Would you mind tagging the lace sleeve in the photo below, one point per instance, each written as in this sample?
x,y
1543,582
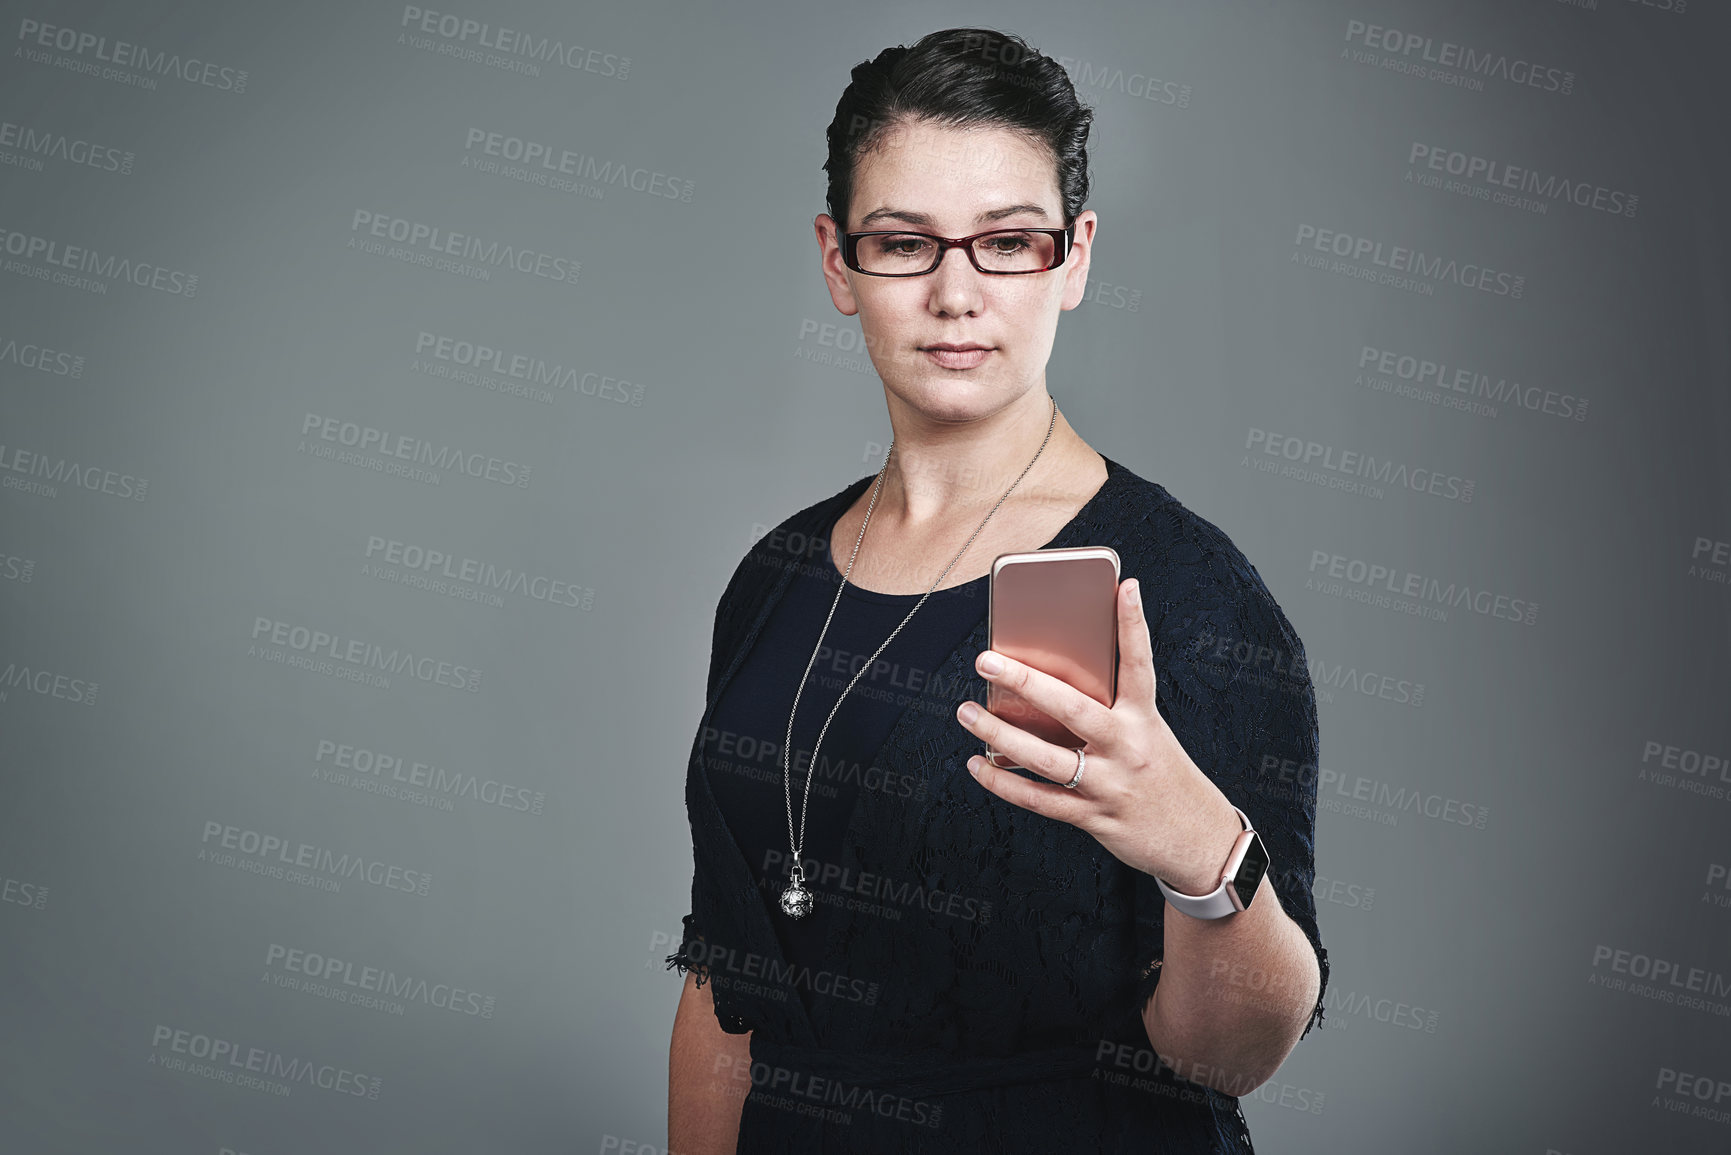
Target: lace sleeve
x,y
694,947
691,953
1235,686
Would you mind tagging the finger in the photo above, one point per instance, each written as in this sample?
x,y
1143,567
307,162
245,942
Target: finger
x,y
1136,677
1040,797
1084,717
1042,757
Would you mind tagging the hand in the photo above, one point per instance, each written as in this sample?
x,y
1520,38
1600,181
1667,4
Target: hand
x,y
1141,796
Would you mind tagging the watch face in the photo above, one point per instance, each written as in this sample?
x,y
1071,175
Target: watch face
x,y
1251,870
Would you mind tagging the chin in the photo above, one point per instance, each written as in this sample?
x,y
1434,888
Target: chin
x,y
953,397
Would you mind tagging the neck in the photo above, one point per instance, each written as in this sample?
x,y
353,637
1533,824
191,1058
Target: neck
x,y
941,470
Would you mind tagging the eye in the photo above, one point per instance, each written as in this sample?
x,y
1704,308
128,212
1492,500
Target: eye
x,y
902,245
1008,244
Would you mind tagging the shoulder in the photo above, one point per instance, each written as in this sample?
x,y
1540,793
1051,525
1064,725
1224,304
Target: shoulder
x,y
797,539
1204,597
773,554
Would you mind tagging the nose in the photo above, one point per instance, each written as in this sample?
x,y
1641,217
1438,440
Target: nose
x,y
955,284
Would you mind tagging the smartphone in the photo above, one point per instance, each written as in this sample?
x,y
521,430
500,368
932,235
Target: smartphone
x,y
1057,611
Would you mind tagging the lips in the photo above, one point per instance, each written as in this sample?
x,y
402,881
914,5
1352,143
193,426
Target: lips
x,y
957,356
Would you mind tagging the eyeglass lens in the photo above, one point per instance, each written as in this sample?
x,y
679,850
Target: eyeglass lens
x,y
1011,251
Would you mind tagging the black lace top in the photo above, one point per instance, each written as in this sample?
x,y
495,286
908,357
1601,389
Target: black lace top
x,y
1020,1031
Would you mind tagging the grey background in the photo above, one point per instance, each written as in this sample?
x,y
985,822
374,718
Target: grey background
x,y
643,496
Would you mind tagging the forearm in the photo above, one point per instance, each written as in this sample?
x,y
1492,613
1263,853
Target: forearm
x,y
704,1098
1234,996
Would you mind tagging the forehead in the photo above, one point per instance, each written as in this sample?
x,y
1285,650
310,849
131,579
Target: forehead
x,y
952,175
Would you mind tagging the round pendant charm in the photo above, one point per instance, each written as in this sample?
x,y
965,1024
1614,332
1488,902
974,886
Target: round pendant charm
x,y
796,901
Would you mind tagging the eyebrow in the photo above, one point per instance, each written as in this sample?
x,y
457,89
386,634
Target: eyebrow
x,y
925,220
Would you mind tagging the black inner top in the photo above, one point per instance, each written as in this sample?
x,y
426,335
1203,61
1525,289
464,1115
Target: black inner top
x,y
742,752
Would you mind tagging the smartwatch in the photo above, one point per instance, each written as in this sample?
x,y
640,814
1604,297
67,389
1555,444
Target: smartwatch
x,y
1239,879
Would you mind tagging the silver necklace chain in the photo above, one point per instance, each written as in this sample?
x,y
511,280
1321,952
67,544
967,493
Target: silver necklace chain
x,y
796,900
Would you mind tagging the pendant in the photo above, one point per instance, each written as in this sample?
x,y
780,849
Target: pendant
x,y
796,901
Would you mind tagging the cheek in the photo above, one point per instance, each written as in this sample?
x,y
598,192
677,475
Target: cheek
x,y
888,313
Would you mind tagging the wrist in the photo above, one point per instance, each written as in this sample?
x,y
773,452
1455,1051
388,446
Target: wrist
x,y
1216,833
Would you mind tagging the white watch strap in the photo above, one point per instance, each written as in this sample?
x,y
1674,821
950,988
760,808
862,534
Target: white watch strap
x,y
1215,905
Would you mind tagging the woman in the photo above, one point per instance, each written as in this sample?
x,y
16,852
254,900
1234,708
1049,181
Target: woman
x,y
893,945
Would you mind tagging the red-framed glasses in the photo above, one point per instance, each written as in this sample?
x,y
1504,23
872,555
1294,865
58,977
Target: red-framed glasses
x,y
1000,252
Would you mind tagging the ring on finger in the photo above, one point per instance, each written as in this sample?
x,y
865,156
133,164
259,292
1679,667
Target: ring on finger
x,y
1081,764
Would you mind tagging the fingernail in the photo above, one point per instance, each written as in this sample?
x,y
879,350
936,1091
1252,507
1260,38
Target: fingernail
x,y
969,712
1135,593
990,663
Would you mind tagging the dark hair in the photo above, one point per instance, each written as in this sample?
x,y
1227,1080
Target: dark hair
x,y
961,77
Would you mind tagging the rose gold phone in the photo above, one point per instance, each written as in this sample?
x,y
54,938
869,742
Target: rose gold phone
x,y
1055,610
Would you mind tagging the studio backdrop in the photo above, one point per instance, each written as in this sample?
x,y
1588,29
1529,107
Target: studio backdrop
x,y
388,392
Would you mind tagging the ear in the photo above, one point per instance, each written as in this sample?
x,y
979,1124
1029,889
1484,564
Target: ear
x,y
1076,267
835,272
